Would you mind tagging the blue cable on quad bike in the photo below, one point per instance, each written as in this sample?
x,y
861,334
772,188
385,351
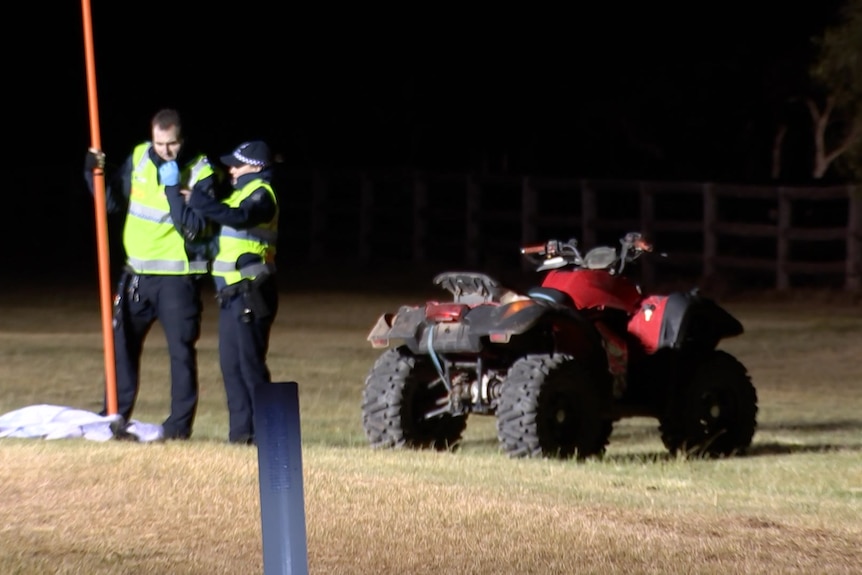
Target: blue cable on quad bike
x,y
436,361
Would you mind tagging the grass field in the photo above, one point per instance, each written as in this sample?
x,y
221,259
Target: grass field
x,y
792,505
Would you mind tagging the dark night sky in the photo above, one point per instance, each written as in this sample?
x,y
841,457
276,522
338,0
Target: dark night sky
x,y
661,90
616,91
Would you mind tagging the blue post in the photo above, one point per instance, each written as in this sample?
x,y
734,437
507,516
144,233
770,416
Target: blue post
x,y
279,457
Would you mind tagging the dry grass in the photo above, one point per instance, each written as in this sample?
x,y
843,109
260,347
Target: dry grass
x,y
793,506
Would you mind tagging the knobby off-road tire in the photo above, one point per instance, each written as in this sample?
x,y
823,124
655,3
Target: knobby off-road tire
x,y
716,414
551,407
399,390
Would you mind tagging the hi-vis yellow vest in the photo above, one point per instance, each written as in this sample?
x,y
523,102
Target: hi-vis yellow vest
x,y
153,245
233,243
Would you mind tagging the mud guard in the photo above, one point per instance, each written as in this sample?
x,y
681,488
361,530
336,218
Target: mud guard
x,y
690,320
407,323
420,335
572,332
513,318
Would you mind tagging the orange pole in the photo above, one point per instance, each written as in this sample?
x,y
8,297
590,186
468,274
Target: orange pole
x,y
101,219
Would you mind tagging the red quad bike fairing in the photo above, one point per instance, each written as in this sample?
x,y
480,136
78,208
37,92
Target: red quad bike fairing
x,y
558,365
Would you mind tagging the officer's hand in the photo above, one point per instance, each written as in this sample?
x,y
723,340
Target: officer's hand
x,y
94,159
169,174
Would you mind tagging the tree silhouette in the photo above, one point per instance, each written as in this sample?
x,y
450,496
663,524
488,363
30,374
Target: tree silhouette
x,y
836,108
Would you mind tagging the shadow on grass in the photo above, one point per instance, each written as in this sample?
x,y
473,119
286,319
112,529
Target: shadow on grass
x,y
781,448
809,426
757,449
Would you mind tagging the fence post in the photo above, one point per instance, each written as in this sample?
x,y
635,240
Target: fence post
x,y
529,209
366,217
785,219
854,239
318,217
710,231
647,202
420,210
472,222
588,214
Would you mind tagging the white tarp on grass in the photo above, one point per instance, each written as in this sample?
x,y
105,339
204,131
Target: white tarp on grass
x,y
59,422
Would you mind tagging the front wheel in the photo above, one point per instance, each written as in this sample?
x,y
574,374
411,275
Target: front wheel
x,y
716,414
552,407
401,390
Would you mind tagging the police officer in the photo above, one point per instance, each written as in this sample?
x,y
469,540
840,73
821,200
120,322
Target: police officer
x,y
167,252
244,276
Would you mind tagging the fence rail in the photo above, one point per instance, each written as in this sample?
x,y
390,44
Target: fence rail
x,y
789,233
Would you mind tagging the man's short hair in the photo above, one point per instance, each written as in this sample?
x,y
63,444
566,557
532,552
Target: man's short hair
x,y
166,118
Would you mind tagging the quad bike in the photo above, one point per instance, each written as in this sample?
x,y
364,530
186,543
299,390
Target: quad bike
x,y
559,364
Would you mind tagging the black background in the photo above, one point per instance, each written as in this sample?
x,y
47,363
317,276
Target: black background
x,y
649,90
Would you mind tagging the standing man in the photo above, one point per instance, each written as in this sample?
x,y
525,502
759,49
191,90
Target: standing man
x,y
167,253
244,275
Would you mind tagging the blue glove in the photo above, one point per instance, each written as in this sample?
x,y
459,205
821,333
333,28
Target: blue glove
x,y
169,174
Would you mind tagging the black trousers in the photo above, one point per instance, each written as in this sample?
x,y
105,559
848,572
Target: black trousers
x,y
175,301
245,322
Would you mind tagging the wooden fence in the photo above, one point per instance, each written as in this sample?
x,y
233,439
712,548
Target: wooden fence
x,y
793,236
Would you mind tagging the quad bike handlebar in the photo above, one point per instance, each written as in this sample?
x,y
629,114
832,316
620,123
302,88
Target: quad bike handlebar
x,y
555,254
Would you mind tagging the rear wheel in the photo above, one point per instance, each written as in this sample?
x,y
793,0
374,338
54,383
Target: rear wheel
x,y
716,414
400,390
551,407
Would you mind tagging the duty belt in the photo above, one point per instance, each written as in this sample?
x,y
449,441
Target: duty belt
x,y
260,272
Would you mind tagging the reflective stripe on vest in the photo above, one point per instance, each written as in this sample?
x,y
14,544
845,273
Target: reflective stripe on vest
x,y
259,233
165,267
151,242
